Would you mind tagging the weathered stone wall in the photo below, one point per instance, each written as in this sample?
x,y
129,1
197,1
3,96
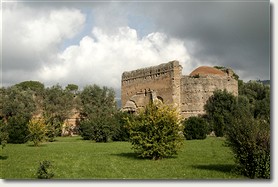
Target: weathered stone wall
x,y
166,82
164,79
196,91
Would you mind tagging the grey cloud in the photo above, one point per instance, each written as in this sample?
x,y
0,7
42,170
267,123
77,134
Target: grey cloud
x,y
234,34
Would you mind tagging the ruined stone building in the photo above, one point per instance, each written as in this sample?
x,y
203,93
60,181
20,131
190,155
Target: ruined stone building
x,y
166,83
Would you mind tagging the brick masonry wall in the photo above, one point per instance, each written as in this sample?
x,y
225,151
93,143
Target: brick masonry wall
x,y
188,93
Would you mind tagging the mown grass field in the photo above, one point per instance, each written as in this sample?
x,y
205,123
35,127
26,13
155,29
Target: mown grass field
x,y
74,158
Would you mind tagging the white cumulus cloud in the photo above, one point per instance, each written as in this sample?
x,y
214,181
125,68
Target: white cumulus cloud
x,y
101,58
32,38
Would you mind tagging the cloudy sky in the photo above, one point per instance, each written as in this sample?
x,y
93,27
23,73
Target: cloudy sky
x,y
91,42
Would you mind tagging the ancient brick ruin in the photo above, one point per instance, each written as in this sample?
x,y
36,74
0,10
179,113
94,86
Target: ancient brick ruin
x,y
166,83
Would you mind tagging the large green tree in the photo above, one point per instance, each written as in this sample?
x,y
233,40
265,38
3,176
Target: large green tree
x,y
58,105
17,108
218,108
98,109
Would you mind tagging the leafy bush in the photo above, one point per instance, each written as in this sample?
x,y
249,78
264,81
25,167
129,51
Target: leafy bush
x,y
3,134
37,131
195,128
54,128
98,129
45,170
156,132
249,140
17,129
120,131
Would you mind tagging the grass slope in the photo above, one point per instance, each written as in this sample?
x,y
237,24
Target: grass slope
x,y
74,158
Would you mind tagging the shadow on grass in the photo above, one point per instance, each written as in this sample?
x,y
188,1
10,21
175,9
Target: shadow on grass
x,y
41,145
3,157
226,168
132,156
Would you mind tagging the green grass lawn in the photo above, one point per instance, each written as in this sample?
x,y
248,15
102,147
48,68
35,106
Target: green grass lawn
x,y
74,158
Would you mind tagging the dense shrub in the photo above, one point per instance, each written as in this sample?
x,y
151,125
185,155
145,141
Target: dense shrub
x,y
3,134
156,132
17,129
45,170
249,140
120,131
98,129
195,128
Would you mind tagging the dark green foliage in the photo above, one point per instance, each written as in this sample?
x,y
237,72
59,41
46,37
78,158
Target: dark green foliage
x,y
249,140
195,128
249,134
218,125
72,88
98,110
58,105
17,129
156,132
98,129
45,170
258,96
219,107
16,102
35,86
121,132
17,108
4,136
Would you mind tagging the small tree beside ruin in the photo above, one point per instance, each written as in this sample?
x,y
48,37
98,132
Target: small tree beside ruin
x,y
37,131
156,132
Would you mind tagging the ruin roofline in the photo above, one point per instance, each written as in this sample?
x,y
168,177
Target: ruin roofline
x,y
201,71
151,70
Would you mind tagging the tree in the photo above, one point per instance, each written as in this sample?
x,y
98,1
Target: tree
x,y
37,131
73,88
218,108
249,139
16,102
17,107
248,134
35,86
58,105
195,128
258,96
156,132
98,109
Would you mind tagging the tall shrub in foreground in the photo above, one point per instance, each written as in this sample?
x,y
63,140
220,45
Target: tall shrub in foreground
x,y
249,140
156,132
